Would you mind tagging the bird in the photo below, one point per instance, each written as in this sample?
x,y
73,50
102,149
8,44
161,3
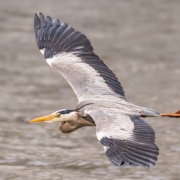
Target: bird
x,y
126,138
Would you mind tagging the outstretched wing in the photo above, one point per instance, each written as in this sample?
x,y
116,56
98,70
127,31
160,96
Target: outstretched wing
x,y
127,140
71,54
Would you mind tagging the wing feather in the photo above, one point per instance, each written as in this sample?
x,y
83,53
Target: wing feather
x,y
127,139
62,43
53,29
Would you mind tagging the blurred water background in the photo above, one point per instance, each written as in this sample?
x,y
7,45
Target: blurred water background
x,y
139,40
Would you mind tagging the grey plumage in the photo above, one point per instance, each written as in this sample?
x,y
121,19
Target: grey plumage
x,y
127,139
62,38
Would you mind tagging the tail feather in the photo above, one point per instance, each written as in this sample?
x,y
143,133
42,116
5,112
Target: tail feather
x,y
146,112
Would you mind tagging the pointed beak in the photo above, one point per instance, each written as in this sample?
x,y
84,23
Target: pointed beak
x,y
48,118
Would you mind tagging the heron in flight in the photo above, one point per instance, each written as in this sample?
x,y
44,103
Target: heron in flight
x,y
126,138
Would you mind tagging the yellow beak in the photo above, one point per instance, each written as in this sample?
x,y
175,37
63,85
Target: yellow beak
x,y
44,118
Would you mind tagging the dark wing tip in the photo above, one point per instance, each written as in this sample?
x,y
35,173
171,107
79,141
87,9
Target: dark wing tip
x,y
36,22
57,22
48,19
42,19
40,13
123,153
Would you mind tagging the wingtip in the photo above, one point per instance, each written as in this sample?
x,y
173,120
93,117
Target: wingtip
x,y
41,14
48,20
36,16
36,22
42,19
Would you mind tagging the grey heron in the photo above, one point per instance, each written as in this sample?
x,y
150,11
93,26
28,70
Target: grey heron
x,y
126,138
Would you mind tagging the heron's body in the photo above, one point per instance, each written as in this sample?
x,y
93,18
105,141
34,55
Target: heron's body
x,y
126,138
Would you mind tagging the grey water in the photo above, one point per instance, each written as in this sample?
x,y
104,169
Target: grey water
x,y
139,40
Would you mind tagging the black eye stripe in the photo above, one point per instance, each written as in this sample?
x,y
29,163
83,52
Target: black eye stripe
x,y
64,111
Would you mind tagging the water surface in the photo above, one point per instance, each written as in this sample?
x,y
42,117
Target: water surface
x,y
139,40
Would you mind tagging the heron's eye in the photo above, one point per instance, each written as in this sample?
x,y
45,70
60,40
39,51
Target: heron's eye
x,y
58,114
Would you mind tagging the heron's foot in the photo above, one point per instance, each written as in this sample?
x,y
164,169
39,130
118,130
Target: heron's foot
x,y
172,115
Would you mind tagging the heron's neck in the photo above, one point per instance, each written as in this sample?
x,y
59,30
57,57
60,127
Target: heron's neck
x,y
74,121
72,116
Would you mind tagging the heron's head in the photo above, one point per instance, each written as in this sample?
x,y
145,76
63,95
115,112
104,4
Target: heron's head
x,y
62,116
